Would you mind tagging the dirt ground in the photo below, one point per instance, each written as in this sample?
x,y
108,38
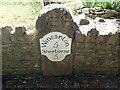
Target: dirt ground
x,y
82,81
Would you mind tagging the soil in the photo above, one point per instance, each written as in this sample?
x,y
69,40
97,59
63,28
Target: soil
x,y
81,81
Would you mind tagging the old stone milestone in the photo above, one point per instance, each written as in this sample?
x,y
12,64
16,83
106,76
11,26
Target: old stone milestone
x,y
55,46
55,35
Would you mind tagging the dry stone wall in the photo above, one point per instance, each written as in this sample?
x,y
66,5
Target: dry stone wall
x,y
96,54
19,54
93,54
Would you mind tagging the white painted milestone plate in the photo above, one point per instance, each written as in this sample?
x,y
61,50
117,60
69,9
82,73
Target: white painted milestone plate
x,y
56,46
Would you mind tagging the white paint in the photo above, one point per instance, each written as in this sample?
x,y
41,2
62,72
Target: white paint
x,y
55,46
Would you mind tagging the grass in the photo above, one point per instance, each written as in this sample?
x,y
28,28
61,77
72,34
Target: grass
x,y
22,13
17,13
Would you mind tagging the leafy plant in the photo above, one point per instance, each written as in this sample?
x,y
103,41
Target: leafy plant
x,y
110,4
88,3
105,4
115,5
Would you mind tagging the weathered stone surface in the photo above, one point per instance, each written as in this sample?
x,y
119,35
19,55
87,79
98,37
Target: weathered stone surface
x,y
0,59
96,53
19,54
101,20
93,33
110,14
78,9
6,36
86,11
98,9
84,22
99,13
64,67
56,18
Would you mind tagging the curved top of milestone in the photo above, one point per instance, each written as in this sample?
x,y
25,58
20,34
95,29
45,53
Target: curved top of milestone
x,y
50,7
55,18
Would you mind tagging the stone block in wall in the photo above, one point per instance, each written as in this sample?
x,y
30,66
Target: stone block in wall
x,y
6,36
0,35
64,67
55,18
19,54
99,55
85,61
